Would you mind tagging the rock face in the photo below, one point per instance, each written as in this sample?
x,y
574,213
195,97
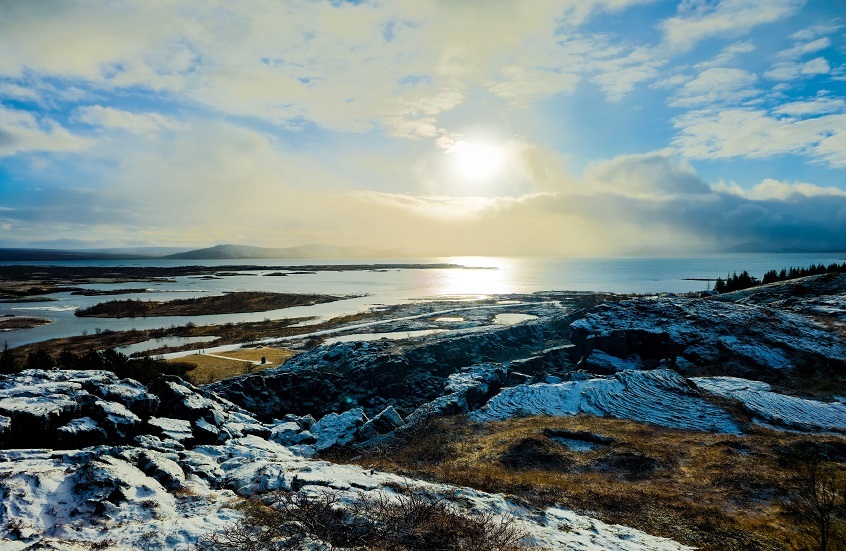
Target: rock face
x,y
377,374
660,396
705,336
777,409
71,409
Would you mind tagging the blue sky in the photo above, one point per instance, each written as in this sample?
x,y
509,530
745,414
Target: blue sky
x,y
431,127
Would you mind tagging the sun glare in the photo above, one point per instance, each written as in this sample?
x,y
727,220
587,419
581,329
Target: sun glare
x,y
477,161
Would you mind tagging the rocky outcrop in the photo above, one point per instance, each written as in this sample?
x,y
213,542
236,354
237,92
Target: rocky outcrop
x,y
661,396
705,336
128,498
71,409
378,374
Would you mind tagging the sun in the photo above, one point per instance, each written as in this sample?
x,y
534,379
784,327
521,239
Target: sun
x,y
477,161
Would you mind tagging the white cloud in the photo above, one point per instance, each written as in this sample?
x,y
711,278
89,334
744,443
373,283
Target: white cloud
x,y
521,85
647,175
812,32
346,67
769,189
791,70
136,123
728,55
716,85
821,105
754,133
700,20
805,48
23,132
619,75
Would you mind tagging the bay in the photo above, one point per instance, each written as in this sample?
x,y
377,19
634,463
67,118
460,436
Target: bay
x,y
504,275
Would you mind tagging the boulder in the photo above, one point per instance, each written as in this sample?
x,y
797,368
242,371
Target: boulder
x,y
80,433
133,395
386,421
34,420
173,429
338,429
602,362
5,429
150,442
182,400
118,422
161,468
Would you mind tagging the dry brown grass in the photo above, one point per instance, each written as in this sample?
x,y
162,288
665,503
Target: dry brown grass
x,y
713,491
236,362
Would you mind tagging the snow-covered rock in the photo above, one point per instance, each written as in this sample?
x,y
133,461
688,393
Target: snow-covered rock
x,y
338,429
172,429
721,337
118,422
601,362
80,432
661,396
384,422
116,496
772,408
290,433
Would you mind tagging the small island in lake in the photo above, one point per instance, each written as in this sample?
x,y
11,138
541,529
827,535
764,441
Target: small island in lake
x,y
230,303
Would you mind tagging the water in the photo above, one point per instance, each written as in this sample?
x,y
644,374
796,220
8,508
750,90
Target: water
x,y
392,335
154,344
509,275
511,319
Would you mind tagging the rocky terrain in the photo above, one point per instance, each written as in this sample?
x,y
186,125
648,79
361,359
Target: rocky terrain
x,y
89,457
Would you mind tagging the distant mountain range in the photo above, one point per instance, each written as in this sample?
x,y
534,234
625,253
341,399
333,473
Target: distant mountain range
x,y
246,252
235,252
218,252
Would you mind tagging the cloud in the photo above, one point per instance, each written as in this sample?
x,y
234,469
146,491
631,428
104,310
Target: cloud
x,y
136,123
24,132
754,133
699,20
650,174
716,86
775,189
790,70
728,55
619,75
820,105
343,66
812,32
805,48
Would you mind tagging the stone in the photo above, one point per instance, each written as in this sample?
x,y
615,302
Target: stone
x,y
80,433
174,429
338,429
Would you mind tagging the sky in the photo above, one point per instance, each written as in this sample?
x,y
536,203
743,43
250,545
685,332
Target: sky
x,y
425,127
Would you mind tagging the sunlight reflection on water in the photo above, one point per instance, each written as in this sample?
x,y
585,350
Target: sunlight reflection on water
x,y
495,276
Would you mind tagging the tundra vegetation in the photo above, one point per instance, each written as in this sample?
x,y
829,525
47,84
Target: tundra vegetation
x,y
229,303
762,490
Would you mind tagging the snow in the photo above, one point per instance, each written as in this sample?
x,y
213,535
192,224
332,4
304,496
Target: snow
x,y
773,408
115,494
176,429
338,428
661,397
767,336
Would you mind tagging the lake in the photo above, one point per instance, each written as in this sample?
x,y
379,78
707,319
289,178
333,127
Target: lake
x,y
504,276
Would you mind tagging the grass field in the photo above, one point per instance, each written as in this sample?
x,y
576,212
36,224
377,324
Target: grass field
x,y
236,362
717,492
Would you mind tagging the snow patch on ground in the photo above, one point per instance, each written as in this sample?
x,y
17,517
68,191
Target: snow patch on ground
x,y
100,494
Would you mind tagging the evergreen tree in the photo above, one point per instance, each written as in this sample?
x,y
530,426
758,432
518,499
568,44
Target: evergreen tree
x,y
8,363
39,359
